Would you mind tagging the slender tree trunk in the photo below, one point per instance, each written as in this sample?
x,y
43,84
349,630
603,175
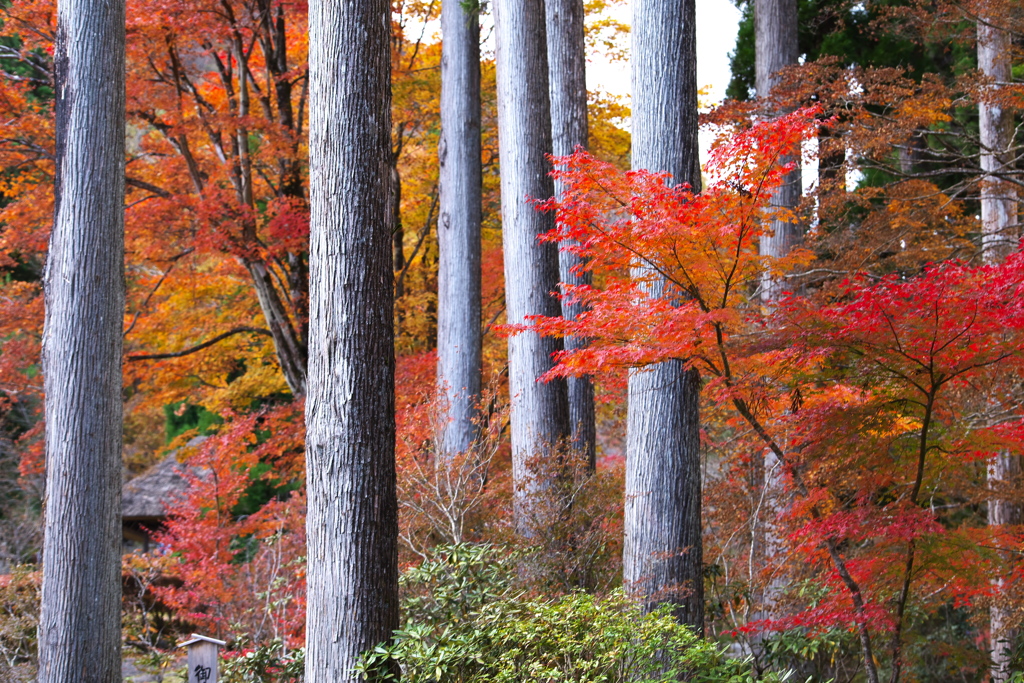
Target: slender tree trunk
x,y
80,619
398,263
398,229
458,228
567,61
1003,471
911,153
999,238
998,197
776,46
540,413
352,520
291,351
285,308
663,555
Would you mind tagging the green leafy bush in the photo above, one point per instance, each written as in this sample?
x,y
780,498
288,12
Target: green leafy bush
x,y
467,623
270,663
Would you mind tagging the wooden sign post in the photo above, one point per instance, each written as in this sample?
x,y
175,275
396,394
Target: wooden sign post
x,y
202,658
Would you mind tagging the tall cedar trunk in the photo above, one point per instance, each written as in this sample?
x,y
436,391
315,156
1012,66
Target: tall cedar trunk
x,y
540,413
567,62
352,519
776,47
775,23
663,555
458,228
999,237
80,620
1004,471
998,197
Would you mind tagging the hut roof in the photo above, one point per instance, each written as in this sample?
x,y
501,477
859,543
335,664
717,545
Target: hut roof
x,y
144,498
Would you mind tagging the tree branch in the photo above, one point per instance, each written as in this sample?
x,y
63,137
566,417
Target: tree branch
x,y
198,347
419,242
143,185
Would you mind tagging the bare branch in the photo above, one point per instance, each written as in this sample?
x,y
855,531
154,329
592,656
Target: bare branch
x,y
199,347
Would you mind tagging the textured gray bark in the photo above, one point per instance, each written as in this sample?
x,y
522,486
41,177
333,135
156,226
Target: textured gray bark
x,y
995,126
775,36
80,619
775,25
663,555
1003,471
567,62
999,233
540,419
352,520
999,238
458,227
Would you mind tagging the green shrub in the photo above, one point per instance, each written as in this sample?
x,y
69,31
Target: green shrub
x,y
270,663
466,623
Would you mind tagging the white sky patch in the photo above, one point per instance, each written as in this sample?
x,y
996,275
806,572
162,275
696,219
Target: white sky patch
x,y
717,24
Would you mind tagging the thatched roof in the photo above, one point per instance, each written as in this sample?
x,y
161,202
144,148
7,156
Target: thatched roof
x,y
145,497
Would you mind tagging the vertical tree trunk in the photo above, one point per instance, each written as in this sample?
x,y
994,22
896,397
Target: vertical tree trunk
x,y
999,238
776,46
540,419
291,353
80,619
458,227
775,23
1003,470
352,524
663,555
831,160
995,125
567,61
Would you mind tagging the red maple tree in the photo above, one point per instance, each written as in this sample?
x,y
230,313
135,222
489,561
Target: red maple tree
x,y
868,398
